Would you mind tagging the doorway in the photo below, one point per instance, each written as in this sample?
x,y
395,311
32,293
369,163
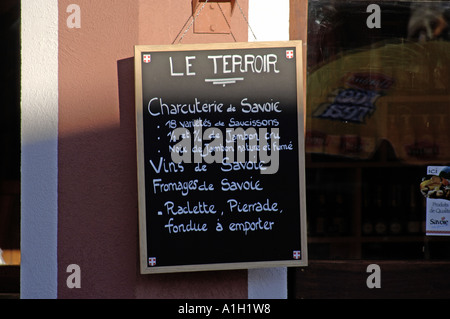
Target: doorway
x,y
10,148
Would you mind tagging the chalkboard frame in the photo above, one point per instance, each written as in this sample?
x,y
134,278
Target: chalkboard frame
x,y
144,267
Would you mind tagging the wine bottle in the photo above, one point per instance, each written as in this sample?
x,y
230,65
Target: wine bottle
x,y
367,227
380,222
395,211
414,223
321,218
340,219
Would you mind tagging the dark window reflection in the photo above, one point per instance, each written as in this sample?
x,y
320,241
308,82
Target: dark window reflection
x,y
378,104
10,130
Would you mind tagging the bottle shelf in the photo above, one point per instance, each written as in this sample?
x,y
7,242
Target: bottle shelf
x,y
381,197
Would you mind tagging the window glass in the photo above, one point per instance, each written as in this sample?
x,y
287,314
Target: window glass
x,y
378,107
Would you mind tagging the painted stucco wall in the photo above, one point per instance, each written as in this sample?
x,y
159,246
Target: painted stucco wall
x,y
97,190
79,190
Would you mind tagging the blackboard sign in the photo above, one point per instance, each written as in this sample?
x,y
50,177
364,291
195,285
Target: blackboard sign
x,y
220,147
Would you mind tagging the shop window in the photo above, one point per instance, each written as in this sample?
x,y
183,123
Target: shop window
x,y
378,104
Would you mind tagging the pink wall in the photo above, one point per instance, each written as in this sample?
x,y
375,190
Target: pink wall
x,y
97,186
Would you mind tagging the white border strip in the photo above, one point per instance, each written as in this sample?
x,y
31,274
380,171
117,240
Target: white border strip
x,y
39,171
269,21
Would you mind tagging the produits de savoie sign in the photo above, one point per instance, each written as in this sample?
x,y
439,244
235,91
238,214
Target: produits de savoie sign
x,y
220,149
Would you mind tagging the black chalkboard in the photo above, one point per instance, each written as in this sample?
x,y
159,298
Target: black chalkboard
x,y
220,150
